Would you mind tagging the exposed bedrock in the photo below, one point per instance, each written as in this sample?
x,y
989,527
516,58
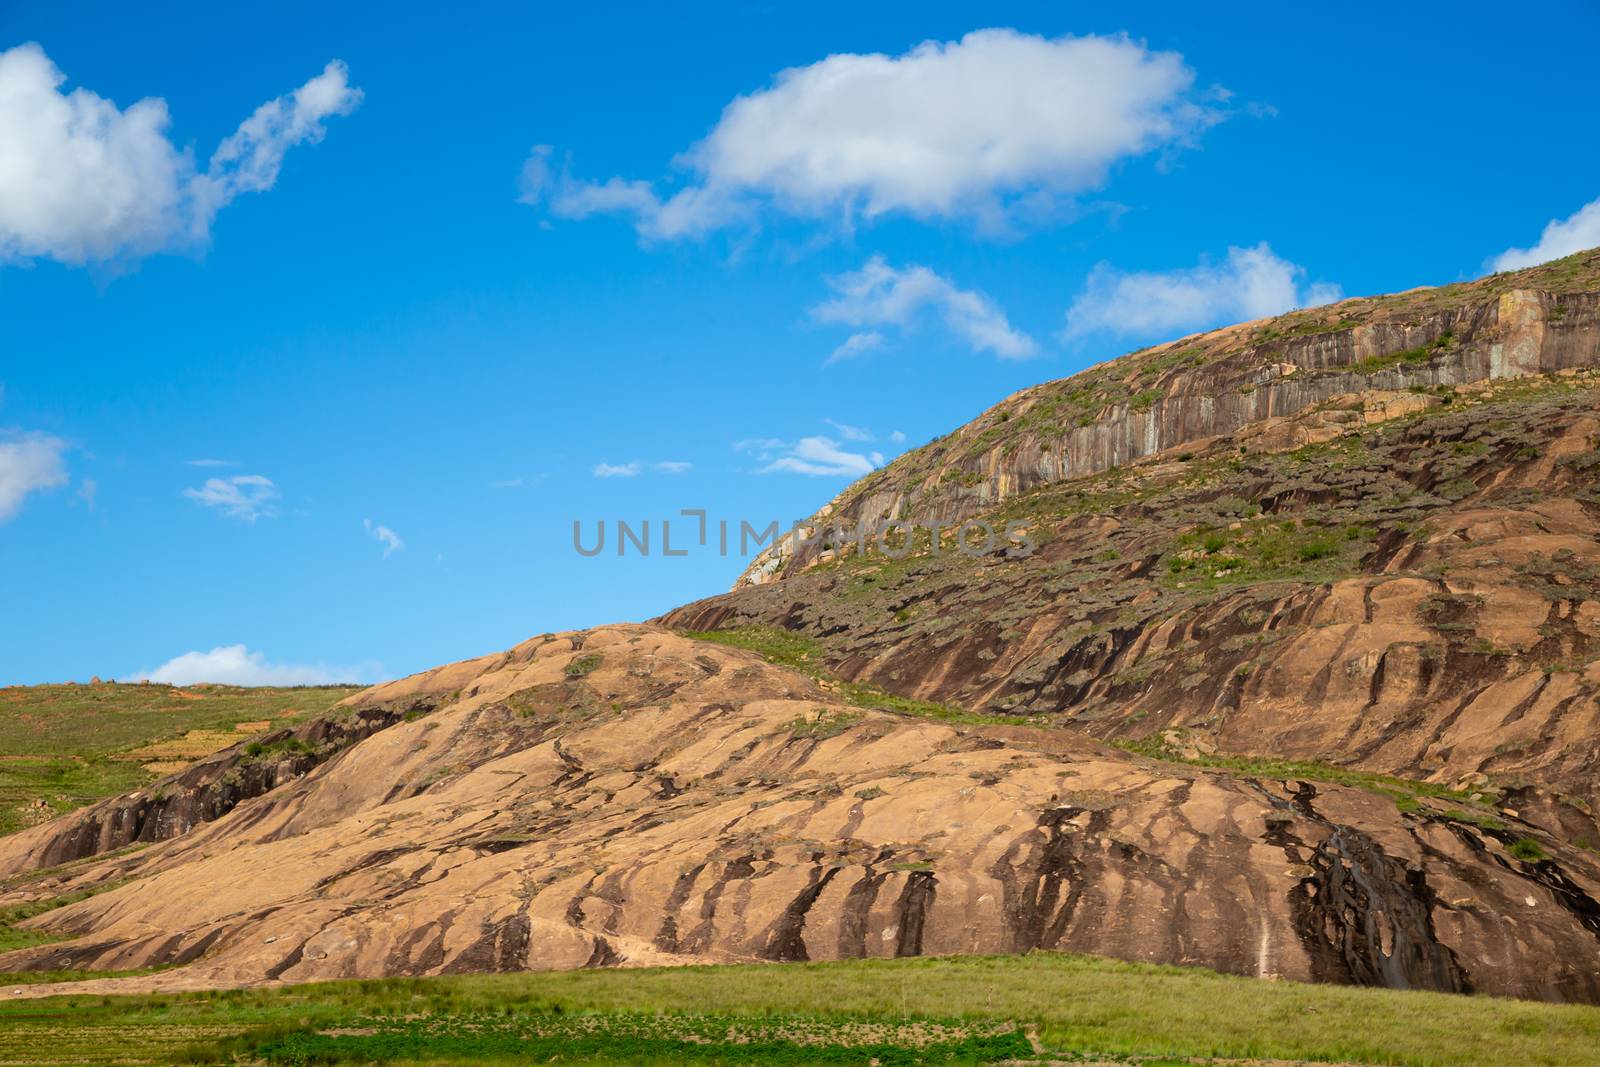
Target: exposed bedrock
x,y
628,796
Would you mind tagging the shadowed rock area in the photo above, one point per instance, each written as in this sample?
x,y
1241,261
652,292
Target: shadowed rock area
x,y
628,796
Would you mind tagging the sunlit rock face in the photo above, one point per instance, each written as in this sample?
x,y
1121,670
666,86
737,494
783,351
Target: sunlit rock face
x,y
630,796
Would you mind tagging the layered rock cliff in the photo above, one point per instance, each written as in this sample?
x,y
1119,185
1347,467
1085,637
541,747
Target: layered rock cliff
x,y
1537,321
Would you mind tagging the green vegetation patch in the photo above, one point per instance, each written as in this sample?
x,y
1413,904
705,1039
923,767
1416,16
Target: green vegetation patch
x,y
805,654
1528,850
13,938
273,751
824,722
1418,355
636,1037
1406,793
585,665
57,742
1074,1008
1267,548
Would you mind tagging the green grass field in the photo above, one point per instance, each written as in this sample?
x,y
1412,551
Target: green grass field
x,y
59,743
975,1009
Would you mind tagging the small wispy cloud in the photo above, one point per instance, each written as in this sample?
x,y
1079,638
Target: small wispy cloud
x,y
634,468
246,497
209,463
855,345
879,296
29,462
88,489
850,433
820,456
509,483
388,538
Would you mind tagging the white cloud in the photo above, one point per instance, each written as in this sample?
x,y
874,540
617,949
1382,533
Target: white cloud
x,y
237,665
897,437
855,345
246,496
635,468
823,456
1251,284
390,540
88,489
209,463
850,433
509,483
28,462
879,295
762,448
1561,237
974,128
82,181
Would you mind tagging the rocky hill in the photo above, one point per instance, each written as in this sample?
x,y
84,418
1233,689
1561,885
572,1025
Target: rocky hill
x,y
1537,321
628,795
1299,677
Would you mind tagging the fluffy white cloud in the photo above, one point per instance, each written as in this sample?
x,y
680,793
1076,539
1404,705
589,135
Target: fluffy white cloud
x,y
388,538
82,181
247,496
823,456
1561,237
1251,283
963,129
237,665
879,295
28,462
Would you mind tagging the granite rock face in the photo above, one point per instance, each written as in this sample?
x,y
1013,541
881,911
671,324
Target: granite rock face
x,y
629,796
1415,596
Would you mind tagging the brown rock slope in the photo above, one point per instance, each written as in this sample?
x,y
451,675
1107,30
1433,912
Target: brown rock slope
x,y
1419,597
628,795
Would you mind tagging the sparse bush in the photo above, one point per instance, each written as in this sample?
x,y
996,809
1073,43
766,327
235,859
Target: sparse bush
x,y
1528,850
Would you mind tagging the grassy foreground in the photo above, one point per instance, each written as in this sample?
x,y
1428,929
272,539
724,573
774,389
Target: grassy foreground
x,y
971,1009
64,746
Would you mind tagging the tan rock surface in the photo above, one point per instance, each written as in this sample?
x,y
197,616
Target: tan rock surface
x,y
628,796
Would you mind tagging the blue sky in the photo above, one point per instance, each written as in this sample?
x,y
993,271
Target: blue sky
x,y
410,336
